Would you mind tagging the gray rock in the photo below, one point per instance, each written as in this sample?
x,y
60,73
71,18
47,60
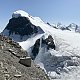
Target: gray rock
x,y
26,61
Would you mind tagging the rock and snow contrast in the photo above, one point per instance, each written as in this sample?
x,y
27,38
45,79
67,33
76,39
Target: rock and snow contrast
x,y
12,62
20,27
57,51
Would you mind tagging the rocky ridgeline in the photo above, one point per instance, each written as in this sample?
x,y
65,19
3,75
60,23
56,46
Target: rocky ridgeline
x,y
11,68
19,53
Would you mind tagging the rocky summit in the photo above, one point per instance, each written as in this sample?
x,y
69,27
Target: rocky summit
x,y
10,66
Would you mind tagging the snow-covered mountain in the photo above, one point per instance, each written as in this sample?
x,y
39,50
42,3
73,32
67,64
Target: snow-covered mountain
x,y
72,27
20,26
54,50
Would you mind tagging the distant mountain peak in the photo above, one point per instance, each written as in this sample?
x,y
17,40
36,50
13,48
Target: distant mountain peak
x,y
73,25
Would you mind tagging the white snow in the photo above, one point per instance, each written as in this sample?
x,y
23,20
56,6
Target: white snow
x,y
20,13
38,19
30,42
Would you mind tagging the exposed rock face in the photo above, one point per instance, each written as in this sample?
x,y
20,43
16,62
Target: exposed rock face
x,y
48,43
65,28
10,68
35,49
21,26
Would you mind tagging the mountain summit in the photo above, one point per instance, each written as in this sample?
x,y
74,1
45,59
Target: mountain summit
x,y
20,25
20,13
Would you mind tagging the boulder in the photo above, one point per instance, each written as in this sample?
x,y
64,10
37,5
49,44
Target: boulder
x,y
26,61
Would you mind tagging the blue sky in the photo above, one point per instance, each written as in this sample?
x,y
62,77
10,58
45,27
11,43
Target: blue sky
x,y
54,11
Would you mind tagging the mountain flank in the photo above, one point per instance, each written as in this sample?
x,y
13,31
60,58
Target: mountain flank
x,y
10,68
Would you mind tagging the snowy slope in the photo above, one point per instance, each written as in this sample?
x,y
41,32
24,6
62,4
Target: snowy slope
x,y
20,13
60,64
67,44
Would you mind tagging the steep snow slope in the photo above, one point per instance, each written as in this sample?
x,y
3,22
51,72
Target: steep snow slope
x,y
62,63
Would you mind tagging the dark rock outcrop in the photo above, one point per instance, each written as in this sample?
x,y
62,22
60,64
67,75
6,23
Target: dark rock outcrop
x,y
35,49
21,26
49,42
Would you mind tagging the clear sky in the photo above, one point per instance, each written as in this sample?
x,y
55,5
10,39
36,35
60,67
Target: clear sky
x,y
54,11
